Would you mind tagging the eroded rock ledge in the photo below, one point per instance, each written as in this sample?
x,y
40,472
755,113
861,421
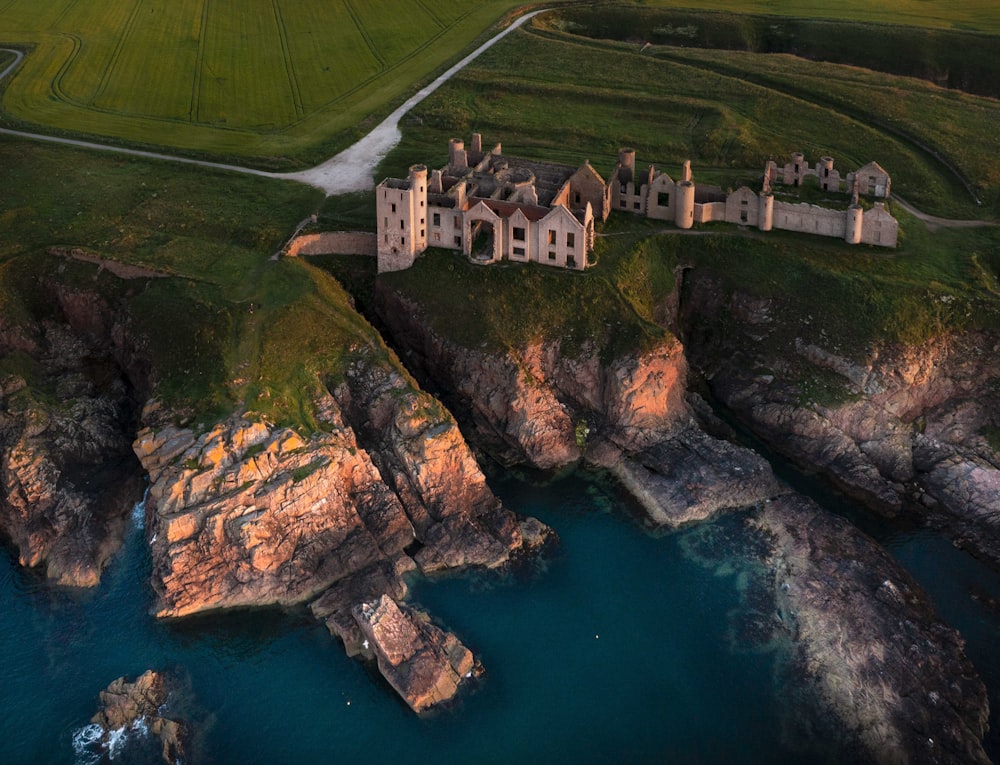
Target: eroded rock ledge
x,y
247,514
869,642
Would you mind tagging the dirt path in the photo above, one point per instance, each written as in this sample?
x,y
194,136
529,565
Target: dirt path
x,y
352,169
933,222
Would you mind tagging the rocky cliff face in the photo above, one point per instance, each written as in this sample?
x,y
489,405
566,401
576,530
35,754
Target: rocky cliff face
x,y
247,514
909,433
67,472
539,406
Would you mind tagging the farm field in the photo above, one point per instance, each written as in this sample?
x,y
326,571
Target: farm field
x,y
726,111
278,83
268,79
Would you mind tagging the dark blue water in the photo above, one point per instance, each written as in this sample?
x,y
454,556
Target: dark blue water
x,y
623,648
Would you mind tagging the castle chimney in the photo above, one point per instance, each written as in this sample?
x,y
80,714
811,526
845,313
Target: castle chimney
x,y
477,143
458,160
686,170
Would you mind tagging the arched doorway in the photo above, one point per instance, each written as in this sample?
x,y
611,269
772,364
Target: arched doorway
x,y
483,235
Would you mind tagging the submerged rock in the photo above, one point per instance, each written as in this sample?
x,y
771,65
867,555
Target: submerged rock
x,y
422,662
138,706
868,641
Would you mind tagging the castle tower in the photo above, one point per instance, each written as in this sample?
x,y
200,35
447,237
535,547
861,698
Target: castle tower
x,y
401,209
418,211
824,170
684,206
798,168
765,217
852,231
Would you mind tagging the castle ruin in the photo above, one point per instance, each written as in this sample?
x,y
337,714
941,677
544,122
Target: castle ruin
x,y
495,207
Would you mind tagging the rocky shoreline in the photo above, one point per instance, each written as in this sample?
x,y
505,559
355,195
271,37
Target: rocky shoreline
x,y
245,513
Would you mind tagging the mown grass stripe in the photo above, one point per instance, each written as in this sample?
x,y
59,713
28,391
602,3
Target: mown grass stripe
x,y
293,82
116,54
356,18
199,67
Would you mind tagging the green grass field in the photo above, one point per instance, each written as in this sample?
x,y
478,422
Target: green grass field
x,y
283,83
270,79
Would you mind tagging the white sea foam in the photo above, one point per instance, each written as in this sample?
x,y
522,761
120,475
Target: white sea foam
x,y
139,511
91,741
85,744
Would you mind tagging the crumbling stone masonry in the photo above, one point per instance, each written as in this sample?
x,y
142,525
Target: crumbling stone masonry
x,y
495,207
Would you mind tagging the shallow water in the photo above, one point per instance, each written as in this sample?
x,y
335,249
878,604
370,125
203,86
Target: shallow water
x,y
623,647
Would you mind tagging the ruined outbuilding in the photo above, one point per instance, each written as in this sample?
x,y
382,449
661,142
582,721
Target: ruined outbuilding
x,y
494,207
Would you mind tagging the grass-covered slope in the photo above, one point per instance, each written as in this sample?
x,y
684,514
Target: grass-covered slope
x,y
268,79
227,326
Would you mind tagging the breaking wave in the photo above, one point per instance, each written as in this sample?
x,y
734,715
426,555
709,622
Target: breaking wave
x,y
92,743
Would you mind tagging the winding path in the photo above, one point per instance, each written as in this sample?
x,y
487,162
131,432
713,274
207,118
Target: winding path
x,y
352,169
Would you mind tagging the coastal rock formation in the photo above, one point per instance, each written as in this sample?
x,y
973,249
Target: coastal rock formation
x,y
67,475
248,514
540,406
906,431
868,642
691,476
138,706
422,662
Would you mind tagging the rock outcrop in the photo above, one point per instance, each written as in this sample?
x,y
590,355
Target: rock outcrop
x,y
422,662
247,514
540,406
903,429
691,476
67,474
137,706
868,642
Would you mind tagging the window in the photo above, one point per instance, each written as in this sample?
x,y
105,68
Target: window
x,y
394,207
458,241
570,239
421,203
421,232
458,221
552,256
402,225
576,197
571,261
436,219
402,240
552,236
744,201
637,205
624,188
518,234
421,221
519,251
385,222
743,216
623,204
663,199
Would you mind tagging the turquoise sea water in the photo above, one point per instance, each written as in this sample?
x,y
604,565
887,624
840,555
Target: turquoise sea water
x,y
622,647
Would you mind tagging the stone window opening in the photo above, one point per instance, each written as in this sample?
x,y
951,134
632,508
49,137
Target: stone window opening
x,y
637,205
663,199
576,197
552,238
394,207
571,261
518,234
519,251
436,219
402,225
458,241
570,239
552,256
743,216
